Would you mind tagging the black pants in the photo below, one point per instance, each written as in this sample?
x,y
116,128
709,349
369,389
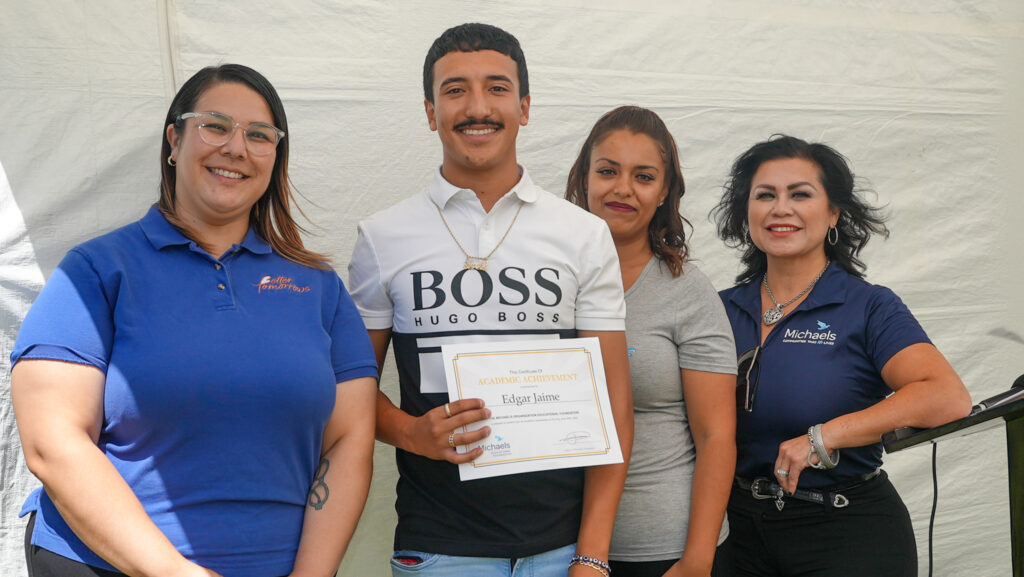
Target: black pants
x,y
870,536
43,563
640,568
658,568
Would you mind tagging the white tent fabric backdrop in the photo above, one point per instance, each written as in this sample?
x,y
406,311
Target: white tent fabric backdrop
x,y
923,96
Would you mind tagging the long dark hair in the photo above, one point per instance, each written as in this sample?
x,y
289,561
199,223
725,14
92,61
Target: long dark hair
x,y
271,216
857,219
666,231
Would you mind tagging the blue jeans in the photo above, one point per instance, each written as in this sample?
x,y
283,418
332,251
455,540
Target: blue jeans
x,y
554,563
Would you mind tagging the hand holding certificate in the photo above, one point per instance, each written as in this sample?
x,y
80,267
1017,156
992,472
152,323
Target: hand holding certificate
x,y
548,400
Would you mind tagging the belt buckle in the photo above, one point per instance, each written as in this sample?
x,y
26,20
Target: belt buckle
x,y
840,501
755,489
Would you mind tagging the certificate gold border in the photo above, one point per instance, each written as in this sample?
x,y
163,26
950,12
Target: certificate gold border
x,y
593,384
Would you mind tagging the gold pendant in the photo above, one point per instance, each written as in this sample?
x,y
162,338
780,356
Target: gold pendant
x,y
475,263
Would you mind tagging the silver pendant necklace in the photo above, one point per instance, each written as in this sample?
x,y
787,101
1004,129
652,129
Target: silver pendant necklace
x,y
772,315
478,262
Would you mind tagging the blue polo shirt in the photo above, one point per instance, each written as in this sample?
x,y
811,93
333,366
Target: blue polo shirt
x,y
220,377
822,360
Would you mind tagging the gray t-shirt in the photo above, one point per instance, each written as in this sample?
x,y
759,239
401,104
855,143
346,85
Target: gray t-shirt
x,y
671,324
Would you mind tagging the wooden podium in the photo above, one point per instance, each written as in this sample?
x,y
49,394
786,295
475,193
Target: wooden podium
x,y
1012,414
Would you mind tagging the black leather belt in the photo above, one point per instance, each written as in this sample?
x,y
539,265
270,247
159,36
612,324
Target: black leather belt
x,y
765,488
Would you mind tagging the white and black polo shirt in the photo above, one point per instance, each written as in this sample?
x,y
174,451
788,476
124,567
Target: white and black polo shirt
x,y
556,272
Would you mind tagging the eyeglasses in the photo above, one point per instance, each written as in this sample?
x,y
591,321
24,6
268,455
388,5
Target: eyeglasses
x,y
217,129
748,370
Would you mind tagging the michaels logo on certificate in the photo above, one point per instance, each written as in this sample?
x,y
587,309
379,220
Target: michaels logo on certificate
x,y
548,400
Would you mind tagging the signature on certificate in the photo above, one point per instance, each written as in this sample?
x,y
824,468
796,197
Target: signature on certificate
x,y
575,436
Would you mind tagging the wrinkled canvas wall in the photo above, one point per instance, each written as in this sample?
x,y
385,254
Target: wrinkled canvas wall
x,y
922,96
20,281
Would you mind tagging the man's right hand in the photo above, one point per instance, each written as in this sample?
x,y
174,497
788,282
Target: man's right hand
x,y
435,434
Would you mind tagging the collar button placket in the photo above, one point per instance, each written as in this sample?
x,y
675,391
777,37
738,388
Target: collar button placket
x,y
224,298
485,236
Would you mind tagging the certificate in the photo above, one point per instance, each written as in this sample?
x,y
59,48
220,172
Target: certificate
x,y
548,400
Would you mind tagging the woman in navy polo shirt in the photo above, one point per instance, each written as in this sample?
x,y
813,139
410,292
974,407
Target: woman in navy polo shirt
x,y
828,362
196,390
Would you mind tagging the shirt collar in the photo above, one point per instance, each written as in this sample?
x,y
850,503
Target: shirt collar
x,y
254,244
441,191
162,234
830,289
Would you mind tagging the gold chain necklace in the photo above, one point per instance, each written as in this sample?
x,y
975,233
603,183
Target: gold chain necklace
x,y
478,262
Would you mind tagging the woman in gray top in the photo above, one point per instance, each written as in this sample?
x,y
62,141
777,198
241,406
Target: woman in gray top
x,y
682,357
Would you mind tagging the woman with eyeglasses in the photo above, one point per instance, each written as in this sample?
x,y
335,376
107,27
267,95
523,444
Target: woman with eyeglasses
x,y
196,390
828,363
670,518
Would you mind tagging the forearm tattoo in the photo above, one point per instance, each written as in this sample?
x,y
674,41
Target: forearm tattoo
x,y
319,493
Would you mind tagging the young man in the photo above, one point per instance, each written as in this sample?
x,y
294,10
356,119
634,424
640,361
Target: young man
x,y
482,253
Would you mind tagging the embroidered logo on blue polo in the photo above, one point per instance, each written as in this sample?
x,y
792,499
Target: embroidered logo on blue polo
x,y
822,335
279,283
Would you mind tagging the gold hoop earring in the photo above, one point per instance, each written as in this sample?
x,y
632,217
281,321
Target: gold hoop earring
x,y
170,160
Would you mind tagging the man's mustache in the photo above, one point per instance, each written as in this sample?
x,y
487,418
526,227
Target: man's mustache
x,y
474,122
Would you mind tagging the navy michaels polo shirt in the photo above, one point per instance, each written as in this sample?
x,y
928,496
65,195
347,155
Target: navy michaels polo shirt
x,y
220,377
822,360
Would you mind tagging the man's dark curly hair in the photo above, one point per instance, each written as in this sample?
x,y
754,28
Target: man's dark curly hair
x,y
474,37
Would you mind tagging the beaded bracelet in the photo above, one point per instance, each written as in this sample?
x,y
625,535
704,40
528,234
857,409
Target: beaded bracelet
x,y
592,566
825,460
591,562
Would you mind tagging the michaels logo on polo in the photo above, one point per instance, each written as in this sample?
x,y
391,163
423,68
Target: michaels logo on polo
x,y
822,335
515,296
